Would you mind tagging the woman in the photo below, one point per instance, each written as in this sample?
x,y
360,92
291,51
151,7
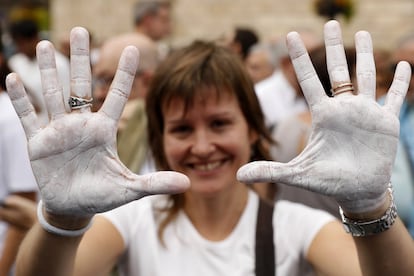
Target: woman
x,y
201,104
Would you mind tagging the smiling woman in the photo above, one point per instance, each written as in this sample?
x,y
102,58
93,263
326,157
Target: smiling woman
x,y
206,123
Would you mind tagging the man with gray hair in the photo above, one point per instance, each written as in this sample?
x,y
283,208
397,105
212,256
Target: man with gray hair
x,y
152,18
132,127
261,61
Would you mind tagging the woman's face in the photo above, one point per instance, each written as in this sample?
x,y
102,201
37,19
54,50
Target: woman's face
x,y
209,142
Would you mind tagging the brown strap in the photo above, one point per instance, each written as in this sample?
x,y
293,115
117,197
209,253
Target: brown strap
x,y
265,251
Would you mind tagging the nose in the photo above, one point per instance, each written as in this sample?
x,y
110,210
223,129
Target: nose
x,y
203,144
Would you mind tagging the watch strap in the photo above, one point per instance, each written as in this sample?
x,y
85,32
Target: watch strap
x,y
361,228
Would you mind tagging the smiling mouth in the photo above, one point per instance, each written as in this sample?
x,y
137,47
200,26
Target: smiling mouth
x,y
208,166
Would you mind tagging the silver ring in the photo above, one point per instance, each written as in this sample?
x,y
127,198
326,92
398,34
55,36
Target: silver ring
x,y
342,88
76,103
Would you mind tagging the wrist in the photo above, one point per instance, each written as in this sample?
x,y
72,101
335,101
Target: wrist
x,y
372,214
371,223
62,225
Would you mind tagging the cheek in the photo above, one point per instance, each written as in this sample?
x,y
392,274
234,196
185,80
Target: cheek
x,y
246,153
241,147
174,151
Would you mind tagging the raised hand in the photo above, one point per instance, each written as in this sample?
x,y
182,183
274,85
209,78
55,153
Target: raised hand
x,y
74,157
353,143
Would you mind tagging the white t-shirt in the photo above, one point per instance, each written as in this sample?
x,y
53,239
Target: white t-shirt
x,y
187,253
278,99
15,171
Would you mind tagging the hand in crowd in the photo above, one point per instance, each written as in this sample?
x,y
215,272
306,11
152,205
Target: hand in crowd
x,y
79,146
19,212
354,140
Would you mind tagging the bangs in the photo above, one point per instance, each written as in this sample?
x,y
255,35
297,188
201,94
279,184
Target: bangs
x,y
197,79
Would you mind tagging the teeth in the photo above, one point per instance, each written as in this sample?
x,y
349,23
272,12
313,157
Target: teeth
x,y
208,167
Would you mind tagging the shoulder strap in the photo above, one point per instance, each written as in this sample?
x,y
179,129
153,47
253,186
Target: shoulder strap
x,y
265,251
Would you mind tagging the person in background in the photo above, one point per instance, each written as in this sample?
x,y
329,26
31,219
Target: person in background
x,y
25,36
16,176
405,50
206,125
153,19
261,61
240,40
280,95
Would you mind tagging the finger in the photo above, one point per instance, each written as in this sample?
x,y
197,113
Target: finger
x,y
22,105
365,66
305,72
267,171
52,89
164,182
122,83
399,87
335,56
7,215
19,202
81,77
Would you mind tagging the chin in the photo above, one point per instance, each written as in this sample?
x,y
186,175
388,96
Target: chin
x,y
206,192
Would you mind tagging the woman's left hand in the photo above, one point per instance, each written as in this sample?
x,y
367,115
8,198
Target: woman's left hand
x,y
354,140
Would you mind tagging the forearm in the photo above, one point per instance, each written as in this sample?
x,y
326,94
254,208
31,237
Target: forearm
x,y
14,237
42,253
387,253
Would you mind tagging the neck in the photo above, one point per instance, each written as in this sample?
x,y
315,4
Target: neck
x,y
216,217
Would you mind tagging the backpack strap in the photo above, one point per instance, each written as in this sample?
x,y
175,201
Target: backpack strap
x,y
265,251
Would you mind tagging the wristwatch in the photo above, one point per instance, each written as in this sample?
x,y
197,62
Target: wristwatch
x,y
358,228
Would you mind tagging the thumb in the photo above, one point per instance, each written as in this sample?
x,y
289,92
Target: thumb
x,y
164,182
266,171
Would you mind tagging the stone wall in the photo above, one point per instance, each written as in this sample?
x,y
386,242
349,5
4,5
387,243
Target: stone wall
x,y
385,20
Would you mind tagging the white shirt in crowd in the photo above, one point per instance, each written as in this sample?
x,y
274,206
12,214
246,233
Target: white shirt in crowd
x,y
28,71
15,171
278,99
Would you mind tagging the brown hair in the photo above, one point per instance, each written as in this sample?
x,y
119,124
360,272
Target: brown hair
x,y
181,75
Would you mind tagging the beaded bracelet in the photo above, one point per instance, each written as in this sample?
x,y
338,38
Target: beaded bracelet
x,y
55,230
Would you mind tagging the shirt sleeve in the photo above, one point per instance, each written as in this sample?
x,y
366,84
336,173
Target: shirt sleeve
x,y
296,227
132,218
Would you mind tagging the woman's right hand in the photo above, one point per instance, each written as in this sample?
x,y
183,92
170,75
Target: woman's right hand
x,y
74,157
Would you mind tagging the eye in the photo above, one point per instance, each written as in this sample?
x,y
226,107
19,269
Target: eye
x,y
220,123
180,129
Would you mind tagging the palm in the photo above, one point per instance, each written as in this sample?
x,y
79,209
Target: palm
x,y
342,146
80,151
74,157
